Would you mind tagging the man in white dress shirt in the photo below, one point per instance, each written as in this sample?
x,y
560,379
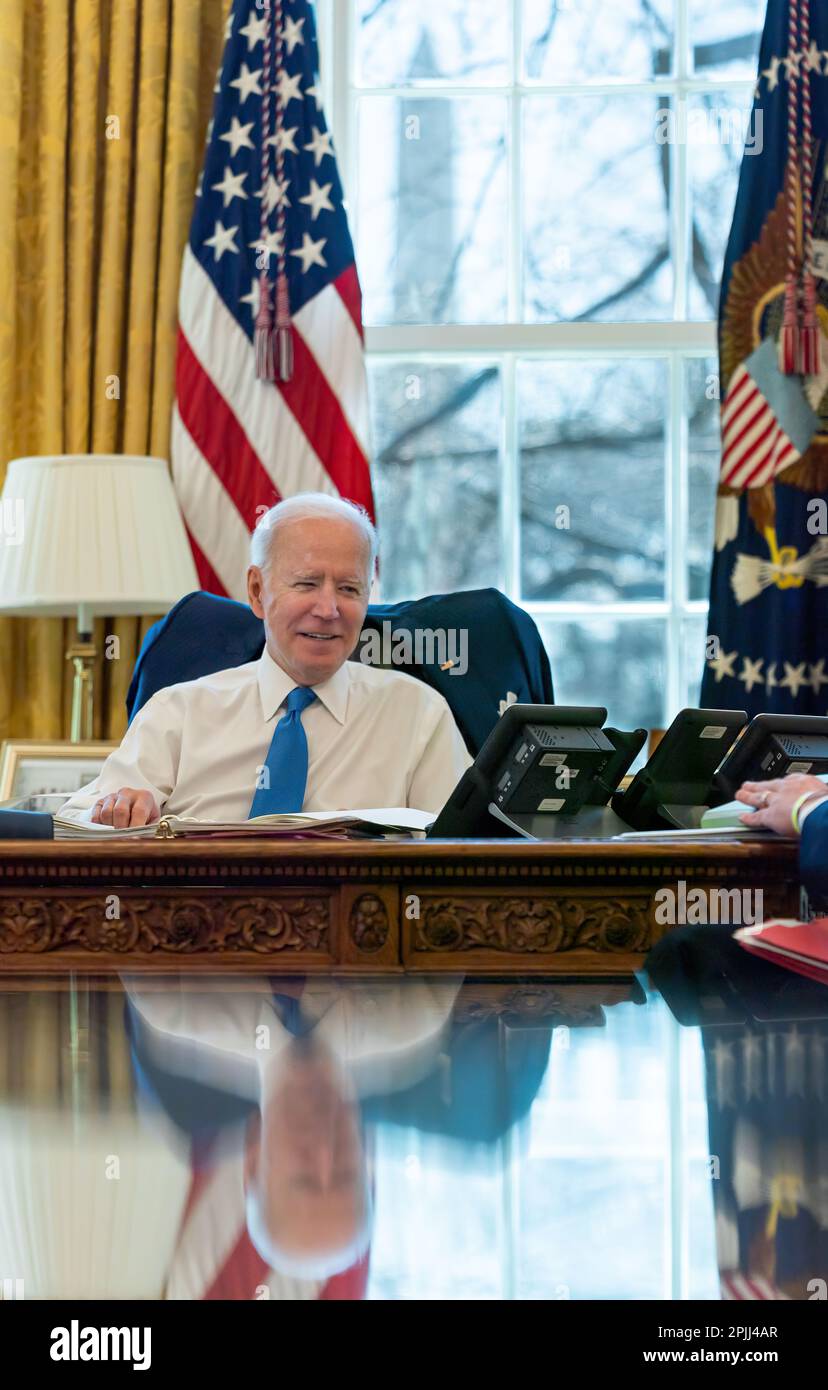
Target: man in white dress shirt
x,y
306,1169
374,737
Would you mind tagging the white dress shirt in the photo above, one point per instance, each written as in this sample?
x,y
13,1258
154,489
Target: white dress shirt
x,y
375,738
386,1036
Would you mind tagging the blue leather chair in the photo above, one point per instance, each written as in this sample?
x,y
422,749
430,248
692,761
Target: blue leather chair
x,y
203,633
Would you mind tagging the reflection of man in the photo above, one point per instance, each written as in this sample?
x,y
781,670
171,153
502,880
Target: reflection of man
x,y
292,1071
301,728
306,1176
797,804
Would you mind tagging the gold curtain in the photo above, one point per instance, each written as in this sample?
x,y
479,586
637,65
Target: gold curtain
x,y
104,106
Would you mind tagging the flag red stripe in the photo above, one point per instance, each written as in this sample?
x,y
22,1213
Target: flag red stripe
x,y
237,1278
220,437
756,455
347,285
319,413
761,458
741,385
207,578
743,421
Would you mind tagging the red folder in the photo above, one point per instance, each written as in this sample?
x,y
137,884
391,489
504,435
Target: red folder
x,y
798,946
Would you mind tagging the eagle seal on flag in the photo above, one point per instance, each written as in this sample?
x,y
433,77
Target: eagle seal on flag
x,y
766,647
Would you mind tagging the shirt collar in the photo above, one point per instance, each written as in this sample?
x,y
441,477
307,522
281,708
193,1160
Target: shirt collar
x,y
275,685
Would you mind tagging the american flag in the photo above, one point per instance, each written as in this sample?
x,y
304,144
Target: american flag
x,y
269,210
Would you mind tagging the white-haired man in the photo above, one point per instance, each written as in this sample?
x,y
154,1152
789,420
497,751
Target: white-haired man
x,y
301,728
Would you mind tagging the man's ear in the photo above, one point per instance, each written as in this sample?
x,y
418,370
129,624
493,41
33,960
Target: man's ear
x,y
255,583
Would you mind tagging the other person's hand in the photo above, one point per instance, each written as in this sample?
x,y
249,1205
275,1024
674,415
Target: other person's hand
x,y
125,807
776,799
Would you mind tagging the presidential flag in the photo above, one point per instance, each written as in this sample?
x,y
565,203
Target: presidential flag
x,y
271,394
768,624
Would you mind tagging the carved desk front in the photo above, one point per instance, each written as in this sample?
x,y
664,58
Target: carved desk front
x,y
477,907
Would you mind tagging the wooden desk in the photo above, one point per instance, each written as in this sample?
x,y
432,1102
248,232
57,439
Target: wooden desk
x,y
483,908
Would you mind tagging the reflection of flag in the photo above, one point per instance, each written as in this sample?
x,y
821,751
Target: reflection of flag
x,y
269,289
768,602
769,1133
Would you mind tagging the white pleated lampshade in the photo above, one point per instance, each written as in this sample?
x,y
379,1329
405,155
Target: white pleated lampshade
x,y
100,532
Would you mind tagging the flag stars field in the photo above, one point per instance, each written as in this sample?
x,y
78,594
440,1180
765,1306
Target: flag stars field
x,y
254,30
320,145
818,677
247,83
318,200
722,664
271,242
230,186
794,678
288,87
238,136
751,672
253,298
223,239
292,33
285,140
275,194
310,252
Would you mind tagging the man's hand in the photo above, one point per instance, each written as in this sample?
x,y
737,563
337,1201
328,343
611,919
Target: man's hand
x,y
775,800
125,807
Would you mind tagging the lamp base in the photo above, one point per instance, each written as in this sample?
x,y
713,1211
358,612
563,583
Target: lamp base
x,y
82,655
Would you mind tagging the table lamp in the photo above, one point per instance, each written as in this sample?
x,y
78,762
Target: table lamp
x,y
91,534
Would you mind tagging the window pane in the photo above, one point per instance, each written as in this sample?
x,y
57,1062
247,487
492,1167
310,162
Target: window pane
x,y
725,38
592,433
593,251
399,41
589,40
693,637
436,476
701,402
718,129
614,662
433,209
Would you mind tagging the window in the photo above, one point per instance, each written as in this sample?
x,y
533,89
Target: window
x,y
541,193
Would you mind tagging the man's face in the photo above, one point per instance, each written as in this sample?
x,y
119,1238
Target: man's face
x,y
308,1156
314,596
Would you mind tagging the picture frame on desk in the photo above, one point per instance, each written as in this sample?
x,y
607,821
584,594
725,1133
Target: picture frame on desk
x,y
38,767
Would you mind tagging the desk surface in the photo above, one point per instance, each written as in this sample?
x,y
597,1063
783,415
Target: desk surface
x,y
548,1141
497,906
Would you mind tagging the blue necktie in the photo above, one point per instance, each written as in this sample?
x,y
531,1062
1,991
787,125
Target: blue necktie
x,y
287,761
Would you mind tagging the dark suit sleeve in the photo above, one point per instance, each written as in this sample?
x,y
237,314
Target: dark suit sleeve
x,y
813,852
198,1110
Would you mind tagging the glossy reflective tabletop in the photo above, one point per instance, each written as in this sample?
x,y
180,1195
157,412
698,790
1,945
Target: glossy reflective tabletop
x,y
415,1138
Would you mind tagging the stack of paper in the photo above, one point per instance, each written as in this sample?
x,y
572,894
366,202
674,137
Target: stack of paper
x,y
316,825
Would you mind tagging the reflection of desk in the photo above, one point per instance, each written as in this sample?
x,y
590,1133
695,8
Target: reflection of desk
x,y
476,907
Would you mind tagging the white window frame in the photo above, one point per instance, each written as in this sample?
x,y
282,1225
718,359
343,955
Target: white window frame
x,y
504,344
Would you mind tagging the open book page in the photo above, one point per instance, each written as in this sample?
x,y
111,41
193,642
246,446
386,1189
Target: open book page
x,y
374,821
